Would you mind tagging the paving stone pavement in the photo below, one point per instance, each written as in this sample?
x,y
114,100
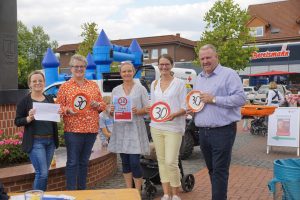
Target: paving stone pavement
x,y
248,156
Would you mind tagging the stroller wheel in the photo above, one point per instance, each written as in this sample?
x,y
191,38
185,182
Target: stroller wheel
x,y
188,182
150,191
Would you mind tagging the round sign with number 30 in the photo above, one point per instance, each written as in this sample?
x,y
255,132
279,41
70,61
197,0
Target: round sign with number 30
x,y
193,101
160,111
80,102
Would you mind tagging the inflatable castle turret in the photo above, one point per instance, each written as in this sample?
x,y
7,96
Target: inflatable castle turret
x,y
50,64
90,73
104,53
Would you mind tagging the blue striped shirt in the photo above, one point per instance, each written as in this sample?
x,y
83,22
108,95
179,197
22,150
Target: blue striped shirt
x,y
225,84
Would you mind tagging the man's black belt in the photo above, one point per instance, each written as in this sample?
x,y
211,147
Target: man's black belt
x,y
219,127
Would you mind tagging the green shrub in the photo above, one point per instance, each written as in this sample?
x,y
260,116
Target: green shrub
x,y
61,134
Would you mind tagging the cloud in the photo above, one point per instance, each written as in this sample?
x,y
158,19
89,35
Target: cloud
x,y
120,19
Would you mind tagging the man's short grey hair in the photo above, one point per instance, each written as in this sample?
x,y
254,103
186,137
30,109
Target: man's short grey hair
x,y
209,46
77,57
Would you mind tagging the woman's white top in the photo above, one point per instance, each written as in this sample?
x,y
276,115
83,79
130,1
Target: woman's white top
x,y
131,137
175,96
276,101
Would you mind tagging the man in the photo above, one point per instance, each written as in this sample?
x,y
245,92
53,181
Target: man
x,y
81,102
223,95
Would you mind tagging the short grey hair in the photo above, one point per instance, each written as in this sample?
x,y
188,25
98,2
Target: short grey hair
x,y
77,57
208,46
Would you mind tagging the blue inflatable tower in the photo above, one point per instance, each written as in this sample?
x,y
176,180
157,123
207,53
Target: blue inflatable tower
x,y
50,65
90,68
104,53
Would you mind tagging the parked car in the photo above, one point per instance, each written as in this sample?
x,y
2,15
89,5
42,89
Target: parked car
x,y
261,95
250,93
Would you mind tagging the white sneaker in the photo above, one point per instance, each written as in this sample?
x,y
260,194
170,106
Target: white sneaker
x,y
166,197
175,197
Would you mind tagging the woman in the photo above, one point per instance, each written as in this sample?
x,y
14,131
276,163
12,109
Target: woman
x,y
81,102
40,137
130,138
167,136
274,97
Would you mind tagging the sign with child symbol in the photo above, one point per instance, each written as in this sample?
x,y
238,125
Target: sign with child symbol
x,y
123,109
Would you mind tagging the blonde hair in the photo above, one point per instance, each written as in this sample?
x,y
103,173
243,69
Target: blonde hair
x,y
124,63
272,85
33,73
106,99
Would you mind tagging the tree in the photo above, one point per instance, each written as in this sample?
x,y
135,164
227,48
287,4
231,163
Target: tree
x,y
226,29
90,35
32,46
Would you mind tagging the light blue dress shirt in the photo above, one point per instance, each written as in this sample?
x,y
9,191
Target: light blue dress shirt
x,y
225,84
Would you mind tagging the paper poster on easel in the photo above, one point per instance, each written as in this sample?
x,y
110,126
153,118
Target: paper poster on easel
x,y
283,128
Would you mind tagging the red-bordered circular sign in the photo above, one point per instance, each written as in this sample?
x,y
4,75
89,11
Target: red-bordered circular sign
x,y
193,101
80,102
160,111
122,101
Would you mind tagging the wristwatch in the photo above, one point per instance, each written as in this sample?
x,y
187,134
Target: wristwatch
x,y
214,100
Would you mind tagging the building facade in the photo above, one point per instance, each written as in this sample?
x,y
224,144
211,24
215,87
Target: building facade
x,y
181,49
276,27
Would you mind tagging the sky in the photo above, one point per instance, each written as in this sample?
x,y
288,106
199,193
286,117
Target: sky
x,y
120,19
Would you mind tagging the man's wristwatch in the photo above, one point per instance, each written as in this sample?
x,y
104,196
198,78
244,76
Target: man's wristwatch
x,y
214,100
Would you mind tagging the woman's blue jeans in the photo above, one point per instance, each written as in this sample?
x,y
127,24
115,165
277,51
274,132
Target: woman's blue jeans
x,y
79,149
41,156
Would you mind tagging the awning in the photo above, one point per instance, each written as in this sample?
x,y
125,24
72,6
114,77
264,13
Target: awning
x,y
272,73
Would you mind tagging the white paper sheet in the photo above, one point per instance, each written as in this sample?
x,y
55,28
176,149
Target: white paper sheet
x,y
46,111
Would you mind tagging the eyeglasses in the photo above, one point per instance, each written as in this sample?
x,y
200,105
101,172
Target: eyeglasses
x,y
37,81
164,64
78,67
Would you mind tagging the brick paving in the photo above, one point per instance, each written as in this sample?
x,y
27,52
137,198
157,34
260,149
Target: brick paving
x,y
251,169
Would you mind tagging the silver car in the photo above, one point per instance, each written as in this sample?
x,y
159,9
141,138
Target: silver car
x,y
250,93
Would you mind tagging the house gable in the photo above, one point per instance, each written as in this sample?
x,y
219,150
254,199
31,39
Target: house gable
x,y
280,19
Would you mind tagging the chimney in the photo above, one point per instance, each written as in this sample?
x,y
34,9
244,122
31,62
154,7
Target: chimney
x,y
177,34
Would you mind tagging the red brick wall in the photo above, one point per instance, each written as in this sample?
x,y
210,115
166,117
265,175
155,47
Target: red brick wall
x,y
7,117
20,180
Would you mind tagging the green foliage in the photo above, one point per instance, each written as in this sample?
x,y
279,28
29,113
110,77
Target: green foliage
x,y
114,67
226,29
10,149
32,45
61,137
89,35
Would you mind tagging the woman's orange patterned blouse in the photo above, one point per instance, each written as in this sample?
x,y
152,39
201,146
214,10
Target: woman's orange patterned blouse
x,y
81,122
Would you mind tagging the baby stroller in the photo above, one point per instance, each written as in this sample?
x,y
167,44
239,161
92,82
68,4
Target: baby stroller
x,y
151,175
260,113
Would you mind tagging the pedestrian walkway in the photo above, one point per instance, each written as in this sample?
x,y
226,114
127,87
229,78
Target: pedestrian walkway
x,y
245,183
251,169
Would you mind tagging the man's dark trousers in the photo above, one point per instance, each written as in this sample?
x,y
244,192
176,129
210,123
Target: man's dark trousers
x,y
216,146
